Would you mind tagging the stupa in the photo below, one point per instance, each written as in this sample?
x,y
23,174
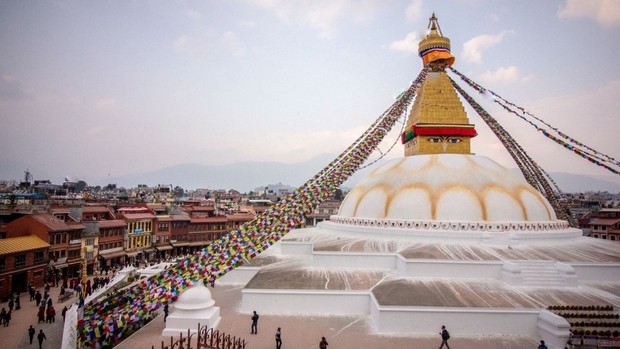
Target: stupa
x,y
440,236
194,307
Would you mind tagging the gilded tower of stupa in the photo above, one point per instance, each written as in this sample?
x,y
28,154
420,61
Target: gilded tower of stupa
x,y
437,123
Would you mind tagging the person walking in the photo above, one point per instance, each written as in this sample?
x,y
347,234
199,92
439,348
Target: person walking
x,y
323,344
445,335
166,311
278,338
37,297
41,337
7,318
255,317
64,313
31,333
542,345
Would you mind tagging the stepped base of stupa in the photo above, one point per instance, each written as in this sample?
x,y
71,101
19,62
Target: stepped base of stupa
x,y
484,283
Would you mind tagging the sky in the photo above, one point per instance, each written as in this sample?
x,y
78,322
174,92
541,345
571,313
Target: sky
x,y
90,89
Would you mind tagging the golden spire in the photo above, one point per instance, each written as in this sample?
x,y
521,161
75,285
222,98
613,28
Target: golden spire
x,y
437,123
435,47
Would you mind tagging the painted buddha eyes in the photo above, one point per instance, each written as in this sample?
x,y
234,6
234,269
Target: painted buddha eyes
x,y
446,139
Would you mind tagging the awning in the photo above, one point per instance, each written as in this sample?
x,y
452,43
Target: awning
x,y
149,250
112,254
164,248
179,244
198,243
60,263
132,254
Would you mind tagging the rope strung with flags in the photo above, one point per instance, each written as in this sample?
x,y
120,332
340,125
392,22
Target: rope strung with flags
x,y
534,174
110,317
582,150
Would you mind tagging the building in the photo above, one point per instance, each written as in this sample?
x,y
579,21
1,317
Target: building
x,y
325,210
23,260
64,238
140,221
604,224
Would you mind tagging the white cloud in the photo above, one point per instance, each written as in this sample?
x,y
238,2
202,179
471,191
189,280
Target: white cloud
x,y
10,88
409,44
230,41
193,14
503,75
321,15
605,12
414,10
106,104
247,23
473,49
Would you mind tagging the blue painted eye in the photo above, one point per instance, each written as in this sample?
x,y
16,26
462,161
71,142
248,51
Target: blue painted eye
x,y
454,140
435,140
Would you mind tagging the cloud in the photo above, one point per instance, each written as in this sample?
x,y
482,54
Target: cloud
x,y
414,10
193,14
321,15
605,12
409,44
234,46
473,49
10,88
247,23
503,75
106,104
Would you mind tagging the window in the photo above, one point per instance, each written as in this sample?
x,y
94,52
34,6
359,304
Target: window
x,y
38,274
20,260
613,238
90,242
38,256
89,255
2,263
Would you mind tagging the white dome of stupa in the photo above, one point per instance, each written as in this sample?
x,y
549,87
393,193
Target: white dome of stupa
x,y
448,188
195,297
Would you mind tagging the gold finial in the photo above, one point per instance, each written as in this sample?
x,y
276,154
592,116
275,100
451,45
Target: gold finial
x,y
435,48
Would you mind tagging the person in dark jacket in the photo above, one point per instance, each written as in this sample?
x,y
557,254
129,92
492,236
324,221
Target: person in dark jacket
x,y
41,337
444,337
254,329
31,333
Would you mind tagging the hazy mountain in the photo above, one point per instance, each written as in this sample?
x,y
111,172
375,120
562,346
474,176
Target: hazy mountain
x,y
247,176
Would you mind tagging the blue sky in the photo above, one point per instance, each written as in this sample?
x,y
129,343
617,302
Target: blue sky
x,y
119,87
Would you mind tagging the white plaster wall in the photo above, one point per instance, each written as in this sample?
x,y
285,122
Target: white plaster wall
x,y
305,301
439,269
458,321
355,260
238,276
296,248
597,272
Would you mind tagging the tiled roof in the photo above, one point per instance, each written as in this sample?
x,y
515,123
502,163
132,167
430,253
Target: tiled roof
x,y
138,216
53,223
180,217
209,220
21,244
93,209
604,221
112,223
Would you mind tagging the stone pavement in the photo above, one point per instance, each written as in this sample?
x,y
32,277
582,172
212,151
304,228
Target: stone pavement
x,y
16,334
305,332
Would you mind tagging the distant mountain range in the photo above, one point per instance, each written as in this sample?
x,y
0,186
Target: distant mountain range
x,y
249,175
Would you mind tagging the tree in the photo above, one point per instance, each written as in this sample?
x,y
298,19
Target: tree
x,y
80,186
178,192
338,194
